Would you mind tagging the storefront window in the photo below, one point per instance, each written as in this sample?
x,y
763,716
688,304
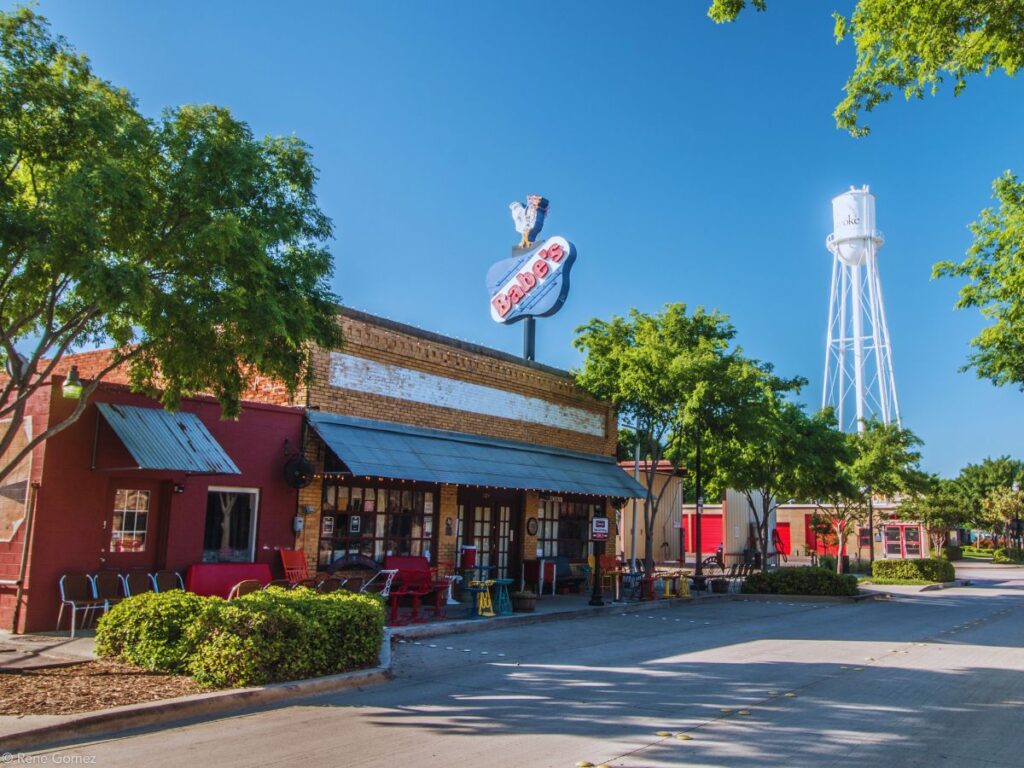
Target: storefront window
x,y
131,516
563,528
375,522
230,534
547,527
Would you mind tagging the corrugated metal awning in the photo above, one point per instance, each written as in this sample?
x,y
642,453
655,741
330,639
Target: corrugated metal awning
x,y
397,451
177,442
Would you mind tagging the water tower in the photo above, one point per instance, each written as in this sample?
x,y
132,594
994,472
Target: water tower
x,y
859,382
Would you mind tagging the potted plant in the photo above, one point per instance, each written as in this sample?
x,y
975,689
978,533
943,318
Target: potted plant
x,y
525,601
720,586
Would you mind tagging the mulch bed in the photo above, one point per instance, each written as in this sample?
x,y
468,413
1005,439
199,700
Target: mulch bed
x,y
85,687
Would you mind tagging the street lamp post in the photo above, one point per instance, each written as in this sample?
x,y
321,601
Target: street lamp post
x,y
1016,513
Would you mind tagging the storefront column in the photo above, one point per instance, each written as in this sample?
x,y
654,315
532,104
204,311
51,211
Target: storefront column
x,y
446,524
311,497
531,505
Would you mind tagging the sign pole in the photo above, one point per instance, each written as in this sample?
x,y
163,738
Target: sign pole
x,y
530,338
599,530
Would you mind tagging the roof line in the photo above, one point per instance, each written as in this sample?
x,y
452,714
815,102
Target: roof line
x,y
467,346
462,437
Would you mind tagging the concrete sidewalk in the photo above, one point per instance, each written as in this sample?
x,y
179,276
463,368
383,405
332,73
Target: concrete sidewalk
x,y
45,649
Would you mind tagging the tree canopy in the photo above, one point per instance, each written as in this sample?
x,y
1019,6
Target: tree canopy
x,y
676,377
882,460
977,482
194,249
781,454
995,269
914,46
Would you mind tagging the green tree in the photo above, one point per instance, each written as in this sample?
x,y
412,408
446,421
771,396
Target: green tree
x,y
881,461
193,248
976,482
994,268
914,46
1003,506
675,376
781,453
940,508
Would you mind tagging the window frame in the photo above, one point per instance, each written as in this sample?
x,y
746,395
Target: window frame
x,y
253,519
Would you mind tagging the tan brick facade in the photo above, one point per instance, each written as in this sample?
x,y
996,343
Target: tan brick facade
x,y
482,383
405,347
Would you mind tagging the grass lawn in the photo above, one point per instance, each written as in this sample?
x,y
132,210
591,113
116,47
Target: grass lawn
x,y
909,582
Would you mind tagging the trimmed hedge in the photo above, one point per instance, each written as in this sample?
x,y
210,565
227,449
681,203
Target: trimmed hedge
x,y
929,569
269,636
951,553
1007,555
149,630
803,580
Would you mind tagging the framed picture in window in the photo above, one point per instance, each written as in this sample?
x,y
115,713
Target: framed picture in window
x,y
355,524
327,526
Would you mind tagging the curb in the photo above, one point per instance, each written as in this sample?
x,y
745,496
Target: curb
x,y
945,585
524,619
118,719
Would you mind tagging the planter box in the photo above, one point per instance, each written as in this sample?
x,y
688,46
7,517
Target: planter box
x,y
523,604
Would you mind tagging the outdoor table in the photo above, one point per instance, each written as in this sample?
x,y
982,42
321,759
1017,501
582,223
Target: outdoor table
x,y
503,602
482,604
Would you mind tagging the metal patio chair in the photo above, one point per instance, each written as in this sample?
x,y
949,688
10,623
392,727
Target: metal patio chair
x,y
137,583
243,588
109,587
165,581
76,591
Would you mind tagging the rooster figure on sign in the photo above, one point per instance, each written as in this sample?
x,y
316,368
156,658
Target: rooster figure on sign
x,y
529,218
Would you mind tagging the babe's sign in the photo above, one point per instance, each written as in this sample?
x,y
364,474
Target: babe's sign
x,y
533,283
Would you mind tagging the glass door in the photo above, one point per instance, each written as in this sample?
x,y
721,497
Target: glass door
x,y
911,541
893,541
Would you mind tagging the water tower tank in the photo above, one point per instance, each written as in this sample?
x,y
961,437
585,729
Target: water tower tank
x,y
853,225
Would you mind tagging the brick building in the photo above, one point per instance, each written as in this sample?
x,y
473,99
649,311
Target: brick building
x,y
423,444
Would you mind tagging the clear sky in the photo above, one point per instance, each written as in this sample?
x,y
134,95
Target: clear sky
x,y
687,161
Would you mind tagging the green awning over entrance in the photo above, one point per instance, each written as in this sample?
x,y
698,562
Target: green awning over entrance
x,y
177,442
398,451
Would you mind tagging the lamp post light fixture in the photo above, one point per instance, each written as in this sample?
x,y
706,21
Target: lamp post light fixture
x,y
72,387
16,366
1016,513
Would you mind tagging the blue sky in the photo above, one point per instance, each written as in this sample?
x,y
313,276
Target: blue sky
x,y
687,161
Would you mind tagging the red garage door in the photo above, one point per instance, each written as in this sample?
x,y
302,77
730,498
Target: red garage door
x,y
823,545
710,532
782,539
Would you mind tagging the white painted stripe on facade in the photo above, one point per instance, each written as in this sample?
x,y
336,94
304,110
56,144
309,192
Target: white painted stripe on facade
x,y
358,373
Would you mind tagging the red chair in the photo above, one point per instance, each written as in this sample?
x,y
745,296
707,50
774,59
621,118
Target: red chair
x,y
295,567
415,579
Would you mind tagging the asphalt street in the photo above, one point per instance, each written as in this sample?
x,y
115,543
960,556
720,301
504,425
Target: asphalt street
x,y
922,679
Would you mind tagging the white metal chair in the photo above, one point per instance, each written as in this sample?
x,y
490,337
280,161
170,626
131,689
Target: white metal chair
x,y
77,591
389,577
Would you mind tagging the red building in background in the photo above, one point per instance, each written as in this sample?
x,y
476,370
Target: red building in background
x,y
132,487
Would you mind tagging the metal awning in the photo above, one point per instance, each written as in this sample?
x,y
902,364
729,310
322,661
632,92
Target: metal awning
x,y
177,442
397,451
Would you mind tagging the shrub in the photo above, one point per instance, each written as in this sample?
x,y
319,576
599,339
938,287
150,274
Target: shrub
x,y
245,643
1007,555
151,630
951,553
801,581
929,569
269,636
353,624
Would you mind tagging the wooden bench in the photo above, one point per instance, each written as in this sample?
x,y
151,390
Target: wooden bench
x,y
415,579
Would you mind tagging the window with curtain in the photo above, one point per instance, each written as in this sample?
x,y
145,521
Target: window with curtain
x,y
230,534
